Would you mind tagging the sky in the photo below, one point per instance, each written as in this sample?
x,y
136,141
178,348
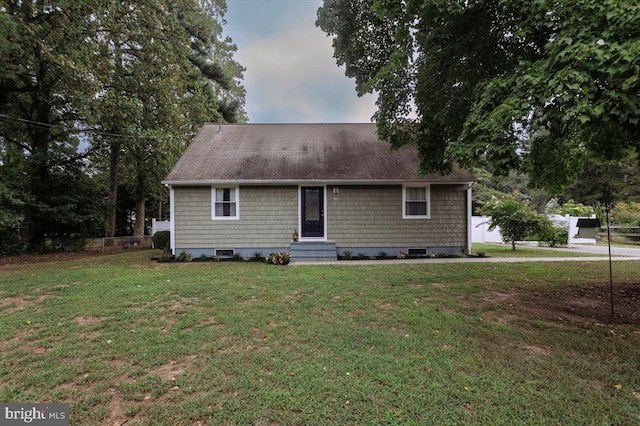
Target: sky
x,y
291,75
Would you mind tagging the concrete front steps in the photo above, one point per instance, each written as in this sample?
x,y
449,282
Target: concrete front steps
x,y
313,251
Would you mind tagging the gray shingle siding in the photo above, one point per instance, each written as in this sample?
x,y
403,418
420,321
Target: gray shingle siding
x,y
268,216
358,216
363,216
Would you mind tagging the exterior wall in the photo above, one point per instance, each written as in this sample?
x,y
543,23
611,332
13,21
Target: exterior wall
x,y
268,217
359,218
368,216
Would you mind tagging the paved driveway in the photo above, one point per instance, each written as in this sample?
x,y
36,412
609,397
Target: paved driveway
x,y
599,255
599,252
599,249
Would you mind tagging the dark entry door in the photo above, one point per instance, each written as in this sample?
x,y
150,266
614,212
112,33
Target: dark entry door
x,y
312,212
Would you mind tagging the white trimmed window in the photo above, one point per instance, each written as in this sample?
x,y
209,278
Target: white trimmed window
x,y
225,203
415,202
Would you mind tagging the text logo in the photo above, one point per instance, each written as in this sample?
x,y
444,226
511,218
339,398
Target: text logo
x,y
34,414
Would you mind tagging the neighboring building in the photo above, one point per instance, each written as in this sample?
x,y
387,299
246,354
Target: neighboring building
x,y
245,188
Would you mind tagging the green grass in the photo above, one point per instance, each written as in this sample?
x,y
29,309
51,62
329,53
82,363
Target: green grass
x,y
505,250
124,339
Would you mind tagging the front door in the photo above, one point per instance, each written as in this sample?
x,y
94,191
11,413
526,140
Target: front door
x,y
312,212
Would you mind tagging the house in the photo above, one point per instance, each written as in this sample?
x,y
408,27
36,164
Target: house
x,y
243,189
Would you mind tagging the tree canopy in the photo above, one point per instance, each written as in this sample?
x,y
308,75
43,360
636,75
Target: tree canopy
x,y
540,85
86,85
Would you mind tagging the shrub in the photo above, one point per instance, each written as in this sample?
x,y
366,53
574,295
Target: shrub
x,y
279,258
626,214
576,209
552,236
347,254
166,256
68,242
10,242
185,256
515,219
161,240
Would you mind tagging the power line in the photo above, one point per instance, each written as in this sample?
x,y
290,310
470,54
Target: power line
x,y
28,122
42,125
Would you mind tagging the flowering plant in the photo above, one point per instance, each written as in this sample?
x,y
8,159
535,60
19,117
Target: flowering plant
x,y
279,258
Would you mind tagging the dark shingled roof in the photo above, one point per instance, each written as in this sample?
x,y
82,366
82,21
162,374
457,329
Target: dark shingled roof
x,y
280,153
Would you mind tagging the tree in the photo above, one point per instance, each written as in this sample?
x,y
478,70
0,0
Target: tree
x,y
161,74
540,85
622,177
515,220
514,184
45,80
12,201
127,81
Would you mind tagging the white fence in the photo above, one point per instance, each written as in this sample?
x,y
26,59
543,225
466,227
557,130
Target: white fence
x,y
480,230
159,225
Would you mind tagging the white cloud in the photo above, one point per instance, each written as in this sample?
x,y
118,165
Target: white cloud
x,y
362,109
292,76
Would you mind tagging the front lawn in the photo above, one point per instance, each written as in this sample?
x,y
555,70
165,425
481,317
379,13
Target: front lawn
x,y
126,340
505,250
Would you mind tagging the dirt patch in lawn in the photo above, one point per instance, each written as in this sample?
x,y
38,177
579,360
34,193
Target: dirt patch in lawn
x,y
29,259
9,305
51,257
584,304
174,369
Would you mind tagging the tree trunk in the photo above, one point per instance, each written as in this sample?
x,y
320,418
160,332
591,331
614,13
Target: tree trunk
x,y
112,200
36,213
159,212
138,229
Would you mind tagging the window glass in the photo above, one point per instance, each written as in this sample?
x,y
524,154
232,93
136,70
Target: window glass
x,y
416,194
416,202
225,203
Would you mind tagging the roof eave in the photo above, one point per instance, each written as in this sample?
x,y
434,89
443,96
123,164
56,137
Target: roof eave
x,y
317,182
